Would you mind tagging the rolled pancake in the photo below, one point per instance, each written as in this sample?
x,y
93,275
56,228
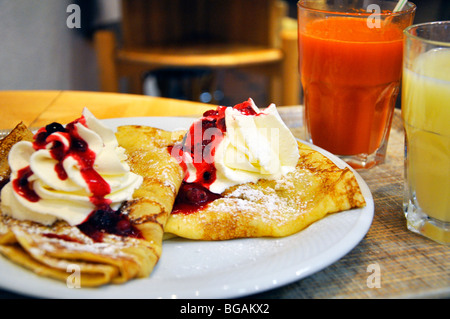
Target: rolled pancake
x,y
274,208
57,250
19,133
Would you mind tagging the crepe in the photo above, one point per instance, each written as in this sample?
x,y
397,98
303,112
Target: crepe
x,y
62,251
274,208
19,133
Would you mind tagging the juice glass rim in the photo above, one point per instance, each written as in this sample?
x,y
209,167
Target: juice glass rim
x,y
408,34
412,7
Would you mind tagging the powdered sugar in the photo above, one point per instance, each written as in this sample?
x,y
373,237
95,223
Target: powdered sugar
x,y
42,239
263,203
250,194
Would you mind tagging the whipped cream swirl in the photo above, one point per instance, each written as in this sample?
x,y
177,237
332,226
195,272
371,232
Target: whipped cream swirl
x,y
68,173
253,145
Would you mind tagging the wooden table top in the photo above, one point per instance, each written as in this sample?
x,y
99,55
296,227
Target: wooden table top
x,y
411,266
38,108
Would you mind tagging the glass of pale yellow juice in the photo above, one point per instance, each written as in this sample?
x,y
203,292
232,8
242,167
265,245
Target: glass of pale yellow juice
x,y
426,118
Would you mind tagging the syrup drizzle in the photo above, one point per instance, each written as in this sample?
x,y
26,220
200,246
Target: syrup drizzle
x,y
102,219
22,187
194,196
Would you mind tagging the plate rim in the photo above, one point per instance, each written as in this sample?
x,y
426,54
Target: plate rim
x,y
290,274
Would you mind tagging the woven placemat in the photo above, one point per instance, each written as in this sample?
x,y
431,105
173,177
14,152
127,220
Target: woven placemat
x,y
409,265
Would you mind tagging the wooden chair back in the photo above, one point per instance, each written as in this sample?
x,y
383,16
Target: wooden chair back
x,y
149,23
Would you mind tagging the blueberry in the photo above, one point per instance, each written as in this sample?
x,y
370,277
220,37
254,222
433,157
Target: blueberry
x,y
104,220
197,196
207,176
79,145
54,127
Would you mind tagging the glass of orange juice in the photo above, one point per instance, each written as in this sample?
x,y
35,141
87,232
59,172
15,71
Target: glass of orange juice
x,y
350,61
426,118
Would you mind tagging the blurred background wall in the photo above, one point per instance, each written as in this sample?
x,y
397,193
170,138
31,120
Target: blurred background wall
x,y
39,51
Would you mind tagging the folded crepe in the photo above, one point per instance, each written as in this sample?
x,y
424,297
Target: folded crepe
x,y
19,133
57,250
273,208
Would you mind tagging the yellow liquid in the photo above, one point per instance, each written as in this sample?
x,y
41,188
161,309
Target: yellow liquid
x,y
426,115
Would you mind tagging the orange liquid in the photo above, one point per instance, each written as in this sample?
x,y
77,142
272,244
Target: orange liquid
x,y
350,76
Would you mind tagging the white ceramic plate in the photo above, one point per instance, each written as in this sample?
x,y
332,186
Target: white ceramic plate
x,y
225,269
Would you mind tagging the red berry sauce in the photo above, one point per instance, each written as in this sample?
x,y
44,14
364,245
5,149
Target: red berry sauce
x,y
193,196
102,219
109,221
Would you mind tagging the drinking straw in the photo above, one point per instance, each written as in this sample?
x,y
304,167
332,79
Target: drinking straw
x,y
400,5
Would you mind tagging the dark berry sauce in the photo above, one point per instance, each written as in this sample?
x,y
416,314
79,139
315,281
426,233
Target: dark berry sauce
x,y
202,140
245,108
22,187
193,196
103,219
108,221
77,149
63,237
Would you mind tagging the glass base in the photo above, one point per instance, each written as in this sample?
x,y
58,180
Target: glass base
x,y
418,222
363,161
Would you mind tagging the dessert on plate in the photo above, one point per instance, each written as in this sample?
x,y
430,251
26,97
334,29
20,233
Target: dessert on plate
x,y
247,176
83,197
80,197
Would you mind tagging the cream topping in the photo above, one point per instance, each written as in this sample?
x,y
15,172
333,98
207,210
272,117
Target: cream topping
x,y
74,196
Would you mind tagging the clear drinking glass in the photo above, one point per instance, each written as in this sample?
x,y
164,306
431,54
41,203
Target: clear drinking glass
x,y
350,55
426,117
